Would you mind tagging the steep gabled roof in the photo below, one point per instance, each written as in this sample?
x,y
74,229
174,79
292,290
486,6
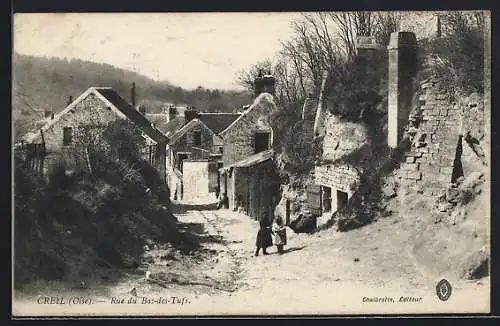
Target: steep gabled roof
x,y
172,126
258,100
217,122
116,103
187,127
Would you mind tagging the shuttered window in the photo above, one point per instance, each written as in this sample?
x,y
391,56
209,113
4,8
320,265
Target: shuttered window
x,y
197,138
261,141
314,199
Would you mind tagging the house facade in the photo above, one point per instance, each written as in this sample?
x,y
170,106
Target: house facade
x,y
194,142
194,152
97,106
248,176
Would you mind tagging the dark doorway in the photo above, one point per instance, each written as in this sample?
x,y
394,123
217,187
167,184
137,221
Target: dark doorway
x,y
261,141
327,198
180,160
225,183
341,200
458,170
219,166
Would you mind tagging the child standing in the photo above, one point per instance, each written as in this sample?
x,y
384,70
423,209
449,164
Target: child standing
x,y
263,238
279,231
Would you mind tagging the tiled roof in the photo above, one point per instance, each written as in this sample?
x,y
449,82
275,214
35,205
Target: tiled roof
x,y
135,116
218,121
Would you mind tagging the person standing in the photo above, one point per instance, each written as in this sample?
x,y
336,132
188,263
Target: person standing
x,y
264,239
279,231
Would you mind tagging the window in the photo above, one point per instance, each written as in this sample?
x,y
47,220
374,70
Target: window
x,y
261,141
197,138
67,136
314,199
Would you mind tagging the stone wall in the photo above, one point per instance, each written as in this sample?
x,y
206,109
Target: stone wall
x,y
239,139
435,128
345,145
91,110
341,177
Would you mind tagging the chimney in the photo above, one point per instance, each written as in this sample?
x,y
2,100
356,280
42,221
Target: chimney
x,y
172,113
142,109
132,95
264,83
190,114
402,69
70,100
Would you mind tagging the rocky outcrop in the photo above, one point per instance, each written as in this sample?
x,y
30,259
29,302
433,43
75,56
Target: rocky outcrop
x,y
450,203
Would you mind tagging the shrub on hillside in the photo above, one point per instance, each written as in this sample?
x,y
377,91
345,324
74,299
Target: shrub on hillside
x,y
357,87
458,56
81,217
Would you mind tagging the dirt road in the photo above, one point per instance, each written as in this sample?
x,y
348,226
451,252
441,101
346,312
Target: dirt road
x,y
358,272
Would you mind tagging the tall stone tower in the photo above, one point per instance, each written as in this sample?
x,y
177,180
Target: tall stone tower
x,y
402,69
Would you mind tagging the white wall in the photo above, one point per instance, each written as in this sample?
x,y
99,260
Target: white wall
x,y
195,180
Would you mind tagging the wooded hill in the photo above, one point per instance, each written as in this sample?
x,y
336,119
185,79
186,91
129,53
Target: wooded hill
x,y
44,84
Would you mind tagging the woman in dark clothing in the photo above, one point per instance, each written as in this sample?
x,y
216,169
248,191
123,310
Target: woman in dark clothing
x,y
264,239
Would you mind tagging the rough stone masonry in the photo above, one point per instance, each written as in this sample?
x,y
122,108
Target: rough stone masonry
x,y
435,128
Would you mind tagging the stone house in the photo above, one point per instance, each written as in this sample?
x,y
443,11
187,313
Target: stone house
x,y
336,176
248,176
194,151
98,105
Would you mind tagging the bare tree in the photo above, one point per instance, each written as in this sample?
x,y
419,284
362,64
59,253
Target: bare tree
x,y
385,24
245,78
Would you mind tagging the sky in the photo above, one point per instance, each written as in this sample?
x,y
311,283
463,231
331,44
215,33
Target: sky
x,y
187,49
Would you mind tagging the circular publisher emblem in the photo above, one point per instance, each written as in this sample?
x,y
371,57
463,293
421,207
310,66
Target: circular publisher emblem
x,y
443,290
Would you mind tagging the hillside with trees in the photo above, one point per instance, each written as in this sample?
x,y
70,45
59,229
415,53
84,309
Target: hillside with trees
x,y
45,84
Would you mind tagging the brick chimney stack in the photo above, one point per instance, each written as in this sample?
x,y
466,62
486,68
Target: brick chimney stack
x,y
132,95
190,114
70,100
172,113
264,83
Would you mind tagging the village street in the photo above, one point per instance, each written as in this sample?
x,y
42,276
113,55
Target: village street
x,y
325,273
328,272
